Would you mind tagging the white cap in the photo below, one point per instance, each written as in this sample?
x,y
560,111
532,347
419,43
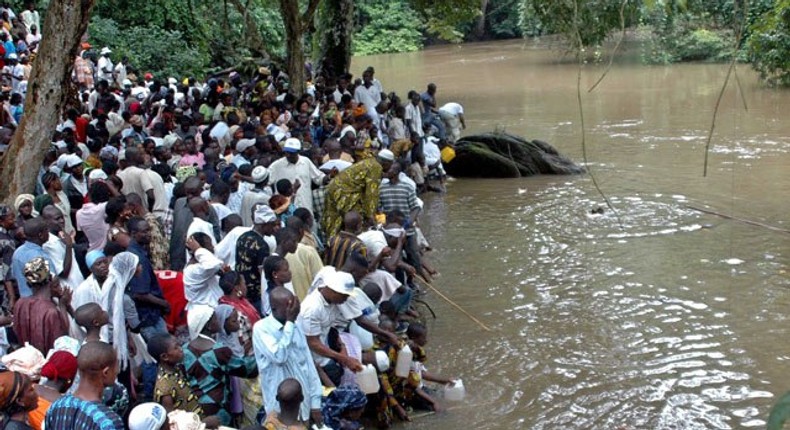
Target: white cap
x,y
292,144
12,56
127,83
386,155
105,51
73,160
243,144
264,214
97,174
147,416
259,174
340,282
172,81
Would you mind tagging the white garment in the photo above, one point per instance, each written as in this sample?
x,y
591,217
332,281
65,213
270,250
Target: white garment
x,y
201,283
388,283
452,108
414,115
221,210
201,226
89,291
226,248
374,241
160,196
120,75
305,171
56,250
105,69
370,97
316,318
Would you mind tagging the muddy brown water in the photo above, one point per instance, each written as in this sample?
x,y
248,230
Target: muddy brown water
x,y
676,319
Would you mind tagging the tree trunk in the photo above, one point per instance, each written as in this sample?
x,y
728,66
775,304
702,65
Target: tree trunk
x,y
480,26
295,26
251,32
337,27
65,24
293,45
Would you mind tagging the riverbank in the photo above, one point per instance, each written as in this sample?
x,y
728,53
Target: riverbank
x,y
670,322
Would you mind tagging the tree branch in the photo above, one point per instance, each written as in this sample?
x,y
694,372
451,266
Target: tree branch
x,y
307,17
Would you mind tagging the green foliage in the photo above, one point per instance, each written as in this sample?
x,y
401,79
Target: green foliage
x,y
583,23
503,19
443,18
769,45
386,26
163,52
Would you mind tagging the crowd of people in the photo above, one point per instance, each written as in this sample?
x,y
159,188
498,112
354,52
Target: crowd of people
x,y
224,253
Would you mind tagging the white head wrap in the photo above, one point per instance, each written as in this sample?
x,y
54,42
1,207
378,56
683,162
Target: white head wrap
x,y
197,318
264,214
121,273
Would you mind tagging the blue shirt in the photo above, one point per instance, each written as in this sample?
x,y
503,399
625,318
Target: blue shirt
x,y
145,283
282,352
69,412
10,48
22,256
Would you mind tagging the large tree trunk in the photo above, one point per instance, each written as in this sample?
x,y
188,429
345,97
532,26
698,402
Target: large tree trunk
x,y
480,26
295,26
336,24
65,24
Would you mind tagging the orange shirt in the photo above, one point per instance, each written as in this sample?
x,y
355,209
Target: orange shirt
x,y
36,416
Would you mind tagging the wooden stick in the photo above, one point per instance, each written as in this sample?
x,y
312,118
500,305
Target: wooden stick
x,y
743,220
456,305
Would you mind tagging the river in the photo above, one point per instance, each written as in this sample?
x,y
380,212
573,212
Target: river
x,y
666,318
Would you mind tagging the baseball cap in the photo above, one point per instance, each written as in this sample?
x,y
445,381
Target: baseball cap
x,y
292,144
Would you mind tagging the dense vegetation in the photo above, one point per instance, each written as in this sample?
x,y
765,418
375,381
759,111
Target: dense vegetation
x,y
180,37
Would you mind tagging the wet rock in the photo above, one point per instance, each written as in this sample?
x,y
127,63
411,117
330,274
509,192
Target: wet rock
x,y
503,155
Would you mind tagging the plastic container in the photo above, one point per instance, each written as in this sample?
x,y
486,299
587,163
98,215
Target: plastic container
x,y
403,364
365,337
367,380
455,392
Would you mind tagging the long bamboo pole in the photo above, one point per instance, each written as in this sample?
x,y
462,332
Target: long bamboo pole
x,y
743,220
456,305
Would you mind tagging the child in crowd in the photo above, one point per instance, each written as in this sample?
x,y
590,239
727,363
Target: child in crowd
x,y
415,394
91,317
343,408
290,397
172,389
391,384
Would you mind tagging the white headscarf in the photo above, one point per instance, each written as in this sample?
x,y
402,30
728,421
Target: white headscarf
x,y
122,270
197,318
231,340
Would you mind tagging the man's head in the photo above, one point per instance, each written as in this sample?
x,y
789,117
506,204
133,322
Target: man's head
x,y
432,89
134,156
37,230
204,241
386,158
193,187
199,207
99,264
98,363
231,221
337,287
91,316
357,265
352,222
7,217
415,98
287,240
292,147
289,394
265,219
56,222
280,299
393,172
139,230
373,291
306,216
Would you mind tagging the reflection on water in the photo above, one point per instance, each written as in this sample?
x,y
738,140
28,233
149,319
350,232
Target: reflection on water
x,y
657,317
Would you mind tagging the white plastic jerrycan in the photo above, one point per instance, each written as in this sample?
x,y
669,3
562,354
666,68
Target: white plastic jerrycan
x,y
367,380
403,364
455,392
